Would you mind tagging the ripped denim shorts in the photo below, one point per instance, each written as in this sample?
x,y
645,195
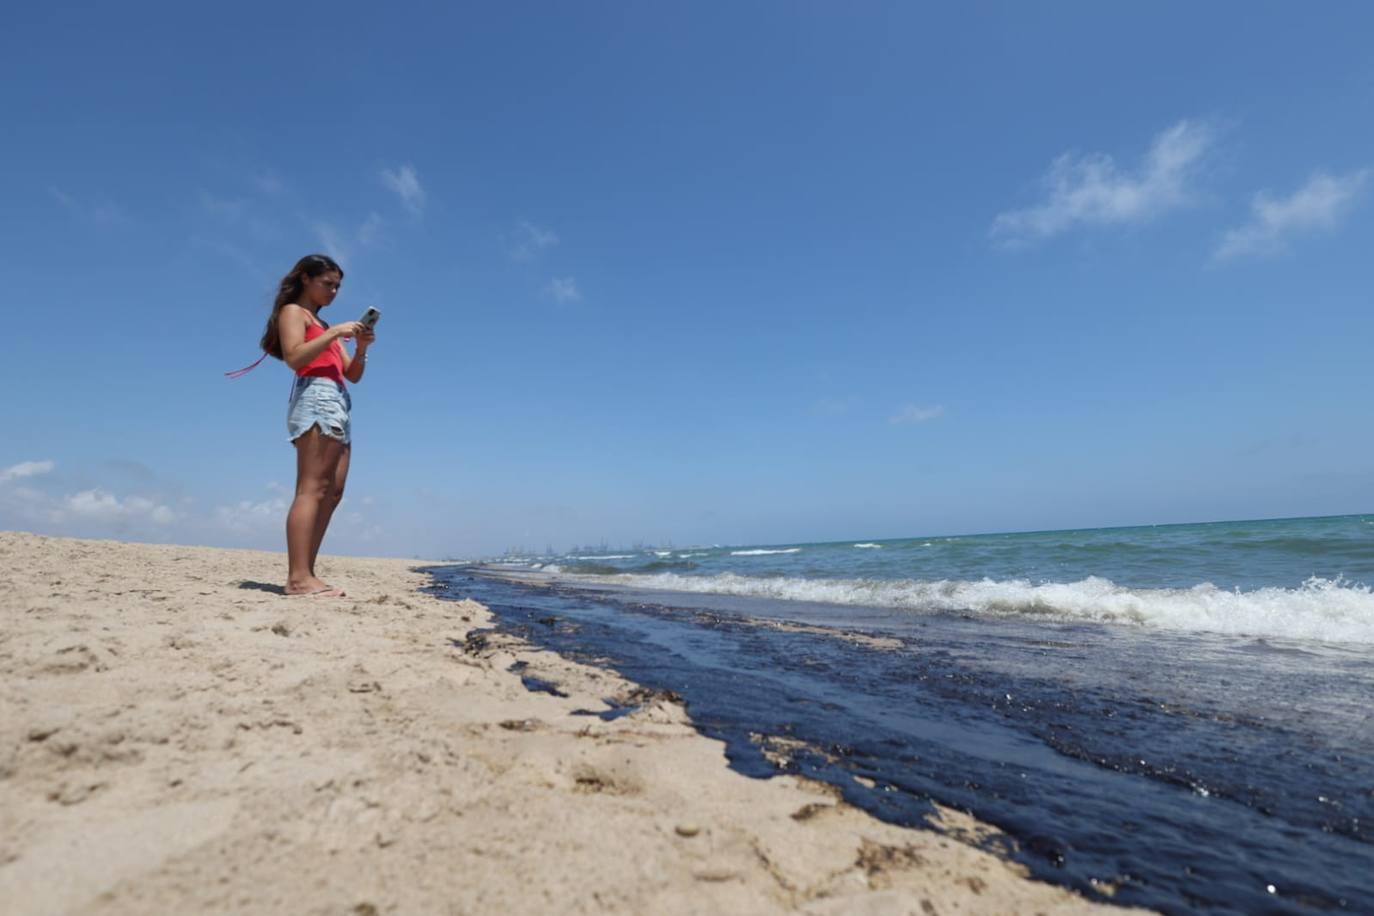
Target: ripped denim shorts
x,y
319,402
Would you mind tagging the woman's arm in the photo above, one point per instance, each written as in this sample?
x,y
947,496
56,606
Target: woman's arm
x,y
295,351
356,365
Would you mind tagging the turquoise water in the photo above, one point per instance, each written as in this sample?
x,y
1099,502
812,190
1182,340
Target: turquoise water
x,y
1306,578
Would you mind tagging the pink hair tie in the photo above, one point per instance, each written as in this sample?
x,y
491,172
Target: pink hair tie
x,y
246,369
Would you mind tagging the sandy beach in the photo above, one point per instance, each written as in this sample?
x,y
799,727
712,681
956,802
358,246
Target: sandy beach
x,y
178,737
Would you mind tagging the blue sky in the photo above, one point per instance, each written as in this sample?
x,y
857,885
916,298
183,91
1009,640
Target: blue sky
x,y
699,273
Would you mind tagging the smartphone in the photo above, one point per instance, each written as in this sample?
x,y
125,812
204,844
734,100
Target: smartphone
x,y
369,319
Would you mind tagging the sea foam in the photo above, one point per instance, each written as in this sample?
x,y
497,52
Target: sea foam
x,y
1327,610
763,553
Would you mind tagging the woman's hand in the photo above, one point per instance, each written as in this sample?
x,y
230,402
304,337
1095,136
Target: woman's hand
x,y
347,329
365,337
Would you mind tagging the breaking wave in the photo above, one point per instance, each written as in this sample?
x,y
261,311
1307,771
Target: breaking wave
x,y
1327,610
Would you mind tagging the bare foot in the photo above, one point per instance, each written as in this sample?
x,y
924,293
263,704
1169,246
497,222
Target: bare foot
x,y
312,587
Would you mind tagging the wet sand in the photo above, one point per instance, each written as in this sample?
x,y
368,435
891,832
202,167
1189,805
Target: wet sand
x,y
177,736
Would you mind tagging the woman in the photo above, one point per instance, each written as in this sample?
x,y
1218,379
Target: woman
x,y
317,417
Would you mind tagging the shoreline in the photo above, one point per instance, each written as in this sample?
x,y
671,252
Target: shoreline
x,y
178,736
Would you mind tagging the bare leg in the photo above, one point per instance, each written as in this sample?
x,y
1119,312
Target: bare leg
x,y
317,456
331,501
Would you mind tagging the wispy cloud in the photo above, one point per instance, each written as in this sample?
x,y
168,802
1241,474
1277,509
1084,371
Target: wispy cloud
x,y
1090,190
1318,205
913,414
370,231
268,183
25,469
564,289
232,252
406,183
830,407
99,211
331,241
340,244
245,217
221,206
530,240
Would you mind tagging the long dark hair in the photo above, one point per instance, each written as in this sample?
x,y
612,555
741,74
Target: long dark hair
x,y
292,285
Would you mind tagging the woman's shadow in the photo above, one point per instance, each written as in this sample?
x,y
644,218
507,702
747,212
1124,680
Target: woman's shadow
x,y
264,587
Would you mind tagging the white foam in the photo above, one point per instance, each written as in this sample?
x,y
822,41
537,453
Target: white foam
x,y
763,553
611,556
687,556
663,553
1327,610
869,546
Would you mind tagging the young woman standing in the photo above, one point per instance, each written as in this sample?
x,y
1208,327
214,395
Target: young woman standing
x,y
317,417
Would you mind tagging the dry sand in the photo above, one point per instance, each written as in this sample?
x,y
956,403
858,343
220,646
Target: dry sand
x,y
177,737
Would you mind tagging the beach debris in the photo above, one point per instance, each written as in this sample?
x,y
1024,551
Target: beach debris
x,y
877,858
806,812
616,710
475,642
646,696
539,685
687,830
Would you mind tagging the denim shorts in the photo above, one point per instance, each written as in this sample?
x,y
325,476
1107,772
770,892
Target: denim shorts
x,y
319,402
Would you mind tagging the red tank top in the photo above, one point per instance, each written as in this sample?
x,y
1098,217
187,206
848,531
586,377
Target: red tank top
x,y
328,364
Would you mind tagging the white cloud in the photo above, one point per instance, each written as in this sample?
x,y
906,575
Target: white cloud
x,y
564,289
406,183
249,516
1318,205
1090,189
89,511
913,414
261,520
530,240
25,469
98,505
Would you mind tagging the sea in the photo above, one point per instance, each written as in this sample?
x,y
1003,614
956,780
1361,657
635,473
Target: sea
x,y
1179,717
